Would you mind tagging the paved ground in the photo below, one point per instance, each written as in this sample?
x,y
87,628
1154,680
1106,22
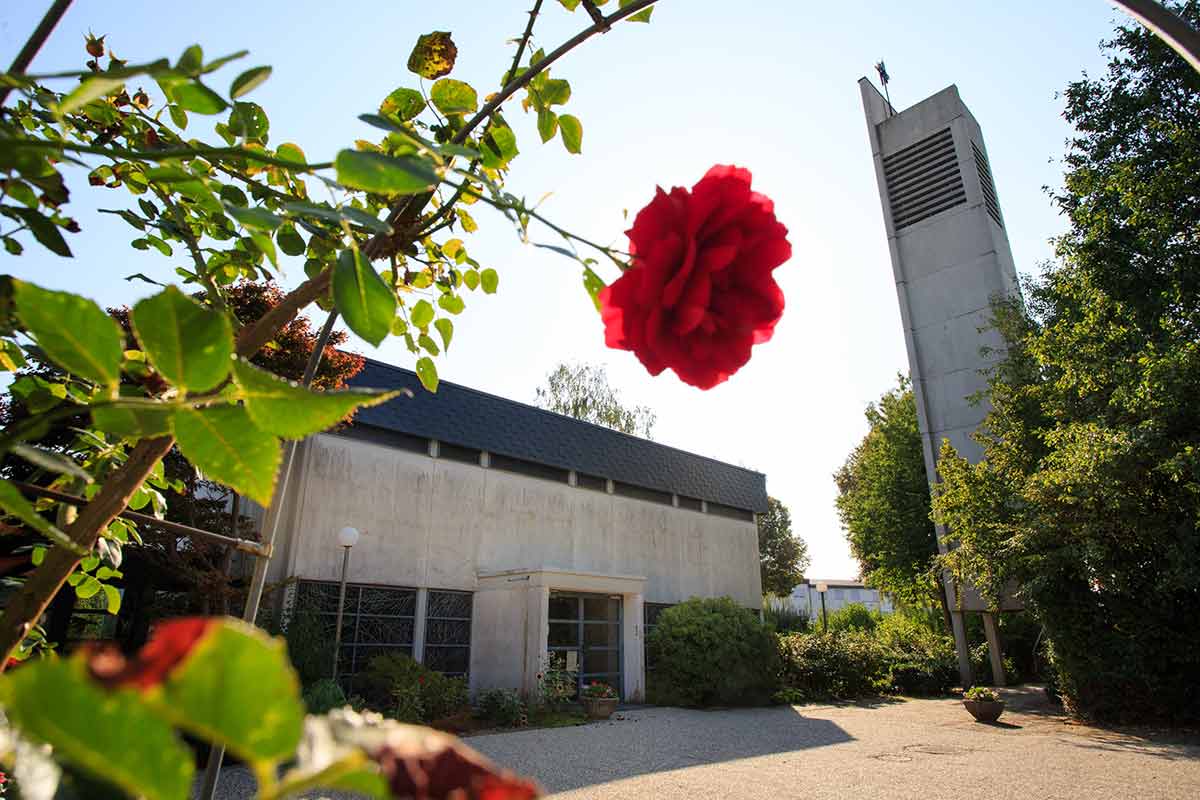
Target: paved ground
x,y
925,749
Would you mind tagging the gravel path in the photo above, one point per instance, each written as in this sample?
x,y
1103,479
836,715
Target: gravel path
x,y
920,749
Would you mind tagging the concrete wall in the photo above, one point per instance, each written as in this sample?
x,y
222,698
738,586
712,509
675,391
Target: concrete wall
x,y
440,524
807,600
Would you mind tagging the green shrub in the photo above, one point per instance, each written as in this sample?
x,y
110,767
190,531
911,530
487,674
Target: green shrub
x,y
309,646
323,696
712,652
981,666
920,660
398,686
837,666
503,707
854,617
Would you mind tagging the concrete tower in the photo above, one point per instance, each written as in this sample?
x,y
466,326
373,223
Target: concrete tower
x,y
951,258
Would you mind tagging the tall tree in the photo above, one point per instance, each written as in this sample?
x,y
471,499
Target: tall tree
x,y
783,556
884,501
582,391
1089,497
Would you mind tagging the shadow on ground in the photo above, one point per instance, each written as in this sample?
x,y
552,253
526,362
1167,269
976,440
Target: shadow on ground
x,y
655,740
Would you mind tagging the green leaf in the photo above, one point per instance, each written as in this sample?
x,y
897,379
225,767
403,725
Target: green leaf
x,y
547,124
489,280
188,343
248,81
353,773
14,503
289,151
266,246
451,303
454,97
446,328
428,344
471,279
192,60
427,372
499,146
43,229
572,133
289,410
178,116
74,332
433,55
290,241
376,172
113,596
569,5
234,196
12,357
555,92
51,461
422,313
54,701
238,688
142,422
367,303
216,64
404,104
196,97
228,447
88,90
466,220
255,217
249,120
641,16
592,283
87,587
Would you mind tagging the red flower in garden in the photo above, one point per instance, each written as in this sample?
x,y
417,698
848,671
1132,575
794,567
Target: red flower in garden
x,y
700,292
171,643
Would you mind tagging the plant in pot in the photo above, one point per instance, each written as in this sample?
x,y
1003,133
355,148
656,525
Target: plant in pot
x,y
983,703
599,700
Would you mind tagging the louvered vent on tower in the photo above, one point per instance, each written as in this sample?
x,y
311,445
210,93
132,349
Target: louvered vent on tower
x,y
923,179
987,184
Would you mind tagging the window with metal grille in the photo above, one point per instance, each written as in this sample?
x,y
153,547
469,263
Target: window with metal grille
x,y
448,632
987,185
377,620
923,179
690,503
593,482
383,436
642,493
454,452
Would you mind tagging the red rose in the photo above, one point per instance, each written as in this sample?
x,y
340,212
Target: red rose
x,y
700,292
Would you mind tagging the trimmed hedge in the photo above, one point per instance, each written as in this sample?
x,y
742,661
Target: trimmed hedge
x,y
712,652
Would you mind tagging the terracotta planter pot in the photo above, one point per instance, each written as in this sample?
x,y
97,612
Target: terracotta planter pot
x,y
599,707
985,710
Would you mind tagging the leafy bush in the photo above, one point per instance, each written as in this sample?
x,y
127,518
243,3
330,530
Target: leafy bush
x,y
399,687
981,665
324,696
981,694
503,707
556,684
837,666
713,652
921,660
854,617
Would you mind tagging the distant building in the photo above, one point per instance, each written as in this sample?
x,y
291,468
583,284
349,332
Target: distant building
x,y
496,535
806,599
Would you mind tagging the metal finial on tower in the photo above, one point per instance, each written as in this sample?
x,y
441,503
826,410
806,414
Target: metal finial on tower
x,y
884,78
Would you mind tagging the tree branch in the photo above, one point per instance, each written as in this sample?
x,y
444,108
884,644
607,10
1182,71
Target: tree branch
x,y
36,39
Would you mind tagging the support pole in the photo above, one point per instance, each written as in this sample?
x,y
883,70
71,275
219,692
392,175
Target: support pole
x,y
337,635
994,651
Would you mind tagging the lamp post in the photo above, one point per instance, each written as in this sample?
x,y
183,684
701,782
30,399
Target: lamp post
x,y
347,538
821,589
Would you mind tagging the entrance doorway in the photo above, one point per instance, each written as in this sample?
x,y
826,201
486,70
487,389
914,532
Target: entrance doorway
x,y
585,636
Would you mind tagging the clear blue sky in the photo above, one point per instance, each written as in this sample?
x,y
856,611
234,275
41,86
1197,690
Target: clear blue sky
x,y
768,84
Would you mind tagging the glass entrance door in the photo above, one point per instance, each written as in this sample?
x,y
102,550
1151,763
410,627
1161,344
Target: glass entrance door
x,y
585,636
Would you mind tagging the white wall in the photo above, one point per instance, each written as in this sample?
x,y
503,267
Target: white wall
x,y
435,523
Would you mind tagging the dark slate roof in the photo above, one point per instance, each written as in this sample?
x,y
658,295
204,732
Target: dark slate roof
x,y
470,418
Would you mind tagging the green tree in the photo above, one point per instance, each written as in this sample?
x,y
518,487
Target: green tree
x,y
884,501
1089,497
582,391
783,556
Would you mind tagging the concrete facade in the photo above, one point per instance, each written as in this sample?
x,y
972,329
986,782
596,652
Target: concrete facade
x,y
950,260
431,523
840,593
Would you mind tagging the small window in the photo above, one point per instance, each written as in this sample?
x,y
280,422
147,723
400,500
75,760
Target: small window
x,y
593,482
388,438
690,503
448,632
530,469
730,512
454,452
642,493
